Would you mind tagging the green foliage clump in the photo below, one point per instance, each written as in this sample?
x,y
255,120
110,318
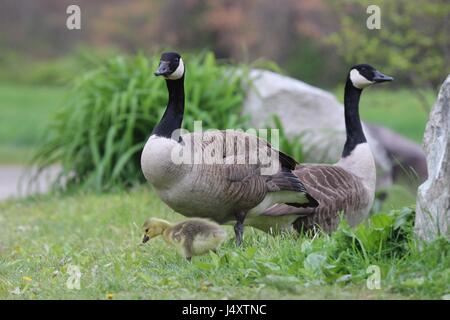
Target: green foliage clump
x,y
99,133
383,238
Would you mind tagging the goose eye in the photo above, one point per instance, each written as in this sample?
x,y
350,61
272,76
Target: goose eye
x,y
146,230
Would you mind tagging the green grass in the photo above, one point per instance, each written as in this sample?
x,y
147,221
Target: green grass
x,y
24,115
40,238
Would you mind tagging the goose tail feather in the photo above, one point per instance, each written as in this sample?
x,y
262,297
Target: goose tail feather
x,y
288,181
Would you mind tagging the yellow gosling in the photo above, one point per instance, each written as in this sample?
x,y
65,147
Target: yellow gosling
x,y
191,237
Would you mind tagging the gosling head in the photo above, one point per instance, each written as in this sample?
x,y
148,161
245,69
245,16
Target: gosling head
x,y
153,227
364,75
171,66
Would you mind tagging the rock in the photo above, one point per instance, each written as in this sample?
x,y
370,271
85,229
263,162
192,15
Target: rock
x,y
304,110
433,198
315,117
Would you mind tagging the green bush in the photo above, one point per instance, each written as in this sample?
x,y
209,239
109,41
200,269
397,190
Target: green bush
x,y
99,133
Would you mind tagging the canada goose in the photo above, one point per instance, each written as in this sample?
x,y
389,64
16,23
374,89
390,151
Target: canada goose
x,y
349,185
230,187
191,237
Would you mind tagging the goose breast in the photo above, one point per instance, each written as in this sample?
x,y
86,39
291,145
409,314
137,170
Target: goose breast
x,y
213,173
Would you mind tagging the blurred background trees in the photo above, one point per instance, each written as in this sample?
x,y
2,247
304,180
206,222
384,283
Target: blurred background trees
x,y
413,42
314,40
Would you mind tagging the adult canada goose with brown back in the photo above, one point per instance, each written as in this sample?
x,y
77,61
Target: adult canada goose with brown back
x,y
348,186
228,189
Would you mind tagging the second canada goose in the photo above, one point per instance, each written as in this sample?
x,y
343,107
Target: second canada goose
x,y
348,186
226,188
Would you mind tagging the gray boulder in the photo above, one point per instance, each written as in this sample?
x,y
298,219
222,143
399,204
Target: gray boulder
x,y
433,199
316,118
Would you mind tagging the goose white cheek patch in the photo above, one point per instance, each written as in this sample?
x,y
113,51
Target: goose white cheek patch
x,y
358,80
178,73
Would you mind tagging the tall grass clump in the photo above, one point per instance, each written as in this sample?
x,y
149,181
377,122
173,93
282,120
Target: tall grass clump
x,y
98,134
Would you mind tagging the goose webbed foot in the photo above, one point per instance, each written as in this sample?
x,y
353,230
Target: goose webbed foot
x,y
189,259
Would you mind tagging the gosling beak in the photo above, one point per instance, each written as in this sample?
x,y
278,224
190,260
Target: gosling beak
x,y
163,69
379,77
146,238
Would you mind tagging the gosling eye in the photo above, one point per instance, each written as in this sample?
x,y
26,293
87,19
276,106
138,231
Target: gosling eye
x,y
146,230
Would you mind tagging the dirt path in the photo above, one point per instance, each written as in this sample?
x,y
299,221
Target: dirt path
x,y
13,181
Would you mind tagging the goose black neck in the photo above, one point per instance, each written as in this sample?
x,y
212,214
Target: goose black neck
x,y
173,116
353,126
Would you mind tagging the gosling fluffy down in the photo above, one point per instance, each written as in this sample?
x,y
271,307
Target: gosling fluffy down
x,y
191,237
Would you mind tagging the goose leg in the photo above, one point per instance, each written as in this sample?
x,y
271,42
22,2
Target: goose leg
x,y
239,227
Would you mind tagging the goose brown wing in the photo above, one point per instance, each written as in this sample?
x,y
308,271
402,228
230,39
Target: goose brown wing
x,y
238,144
243,179
335,189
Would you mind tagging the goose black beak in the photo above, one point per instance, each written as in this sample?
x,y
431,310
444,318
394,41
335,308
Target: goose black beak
x,y
379,77
163,69
146,238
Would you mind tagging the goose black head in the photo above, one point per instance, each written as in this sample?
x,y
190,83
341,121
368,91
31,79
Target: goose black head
x,y
364,75
171,66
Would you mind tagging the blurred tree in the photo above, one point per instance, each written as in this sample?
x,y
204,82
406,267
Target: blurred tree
x,y
413,43
286,31
131,25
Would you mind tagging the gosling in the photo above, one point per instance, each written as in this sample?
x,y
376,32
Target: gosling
x,y
191,237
